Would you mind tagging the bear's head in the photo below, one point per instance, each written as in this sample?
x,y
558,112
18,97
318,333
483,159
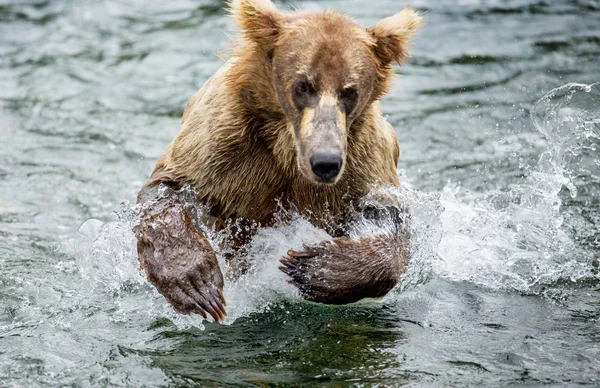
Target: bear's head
x,y
324,69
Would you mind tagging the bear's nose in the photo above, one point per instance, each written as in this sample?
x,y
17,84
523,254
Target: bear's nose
x,y
325,165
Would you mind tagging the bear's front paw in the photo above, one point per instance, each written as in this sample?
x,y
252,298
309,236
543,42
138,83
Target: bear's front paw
x,y
187,275
343,270
197,289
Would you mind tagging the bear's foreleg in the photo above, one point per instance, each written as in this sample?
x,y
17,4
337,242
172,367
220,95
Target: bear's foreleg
x,y
177,256
345,270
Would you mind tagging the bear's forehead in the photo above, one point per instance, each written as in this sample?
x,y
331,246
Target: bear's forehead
x,y
328,44
327,26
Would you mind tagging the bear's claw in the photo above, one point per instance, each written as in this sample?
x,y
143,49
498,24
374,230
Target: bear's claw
x,y
303,254
187,297
295,265
300,267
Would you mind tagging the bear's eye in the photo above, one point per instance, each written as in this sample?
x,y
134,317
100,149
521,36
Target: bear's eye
x,y
301,88
301,93
349,97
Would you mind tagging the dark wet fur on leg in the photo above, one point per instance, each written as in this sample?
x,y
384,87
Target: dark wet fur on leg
x,y
178,258
346,270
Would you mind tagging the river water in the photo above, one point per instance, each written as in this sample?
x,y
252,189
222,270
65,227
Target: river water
x,y
498,118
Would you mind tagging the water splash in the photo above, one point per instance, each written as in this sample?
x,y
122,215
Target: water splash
x,y
513,239
265,283
106,257
516,239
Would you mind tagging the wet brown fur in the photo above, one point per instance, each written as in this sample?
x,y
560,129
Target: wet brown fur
x,y
236,145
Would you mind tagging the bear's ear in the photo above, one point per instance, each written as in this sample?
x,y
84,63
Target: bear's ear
x,y
259,20
391,35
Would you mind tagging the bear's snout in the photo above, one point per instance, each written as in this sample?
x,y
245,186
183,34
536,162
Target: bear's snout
x,y
326,165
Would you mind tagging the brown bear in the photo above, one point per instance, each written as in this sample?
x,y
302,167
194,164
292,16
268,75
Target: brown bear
x,y
291,120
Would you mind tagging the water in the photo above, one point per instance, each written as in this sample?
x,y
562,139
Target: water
x,y
498,118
